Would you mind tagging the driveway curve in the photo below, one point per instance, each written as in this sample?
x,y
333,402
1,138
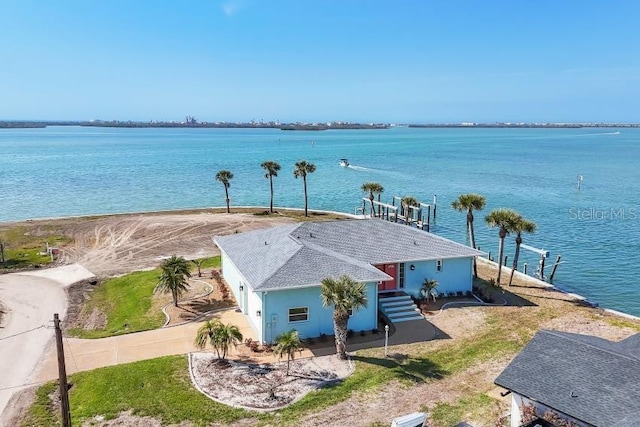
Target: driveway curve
x,y
31,299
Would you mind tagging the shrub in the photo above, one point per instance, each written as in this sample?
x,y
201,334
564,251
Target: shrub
x,y
362,333
349,333
375,331
323,337
254,346
266,347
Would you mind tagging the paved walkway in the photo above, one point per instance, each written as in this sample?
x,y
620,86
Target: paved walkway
x,y
87,354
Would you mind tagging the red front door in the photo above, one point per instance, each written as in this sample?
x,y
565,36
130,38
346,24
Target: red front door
x,y
390,269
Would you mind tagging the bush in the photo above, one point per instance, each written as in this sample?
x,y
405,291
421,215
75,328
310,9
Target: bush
x,y
323,337
375,331
349,333
362,333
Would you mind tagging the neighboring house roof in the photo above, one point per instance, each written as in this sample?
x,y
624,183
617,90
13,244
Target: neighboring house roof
x,y
588,378
303,254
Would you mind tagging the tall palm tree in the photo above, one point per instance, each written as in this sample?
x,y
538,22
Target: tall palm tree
x,y
287,343
301,171
271,168
505,220
224,176
343,294
372,188
521,226
407,202
174,273
470,202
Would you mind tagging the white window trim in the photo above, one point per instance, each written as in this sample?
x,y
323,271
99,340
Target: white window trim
x,y
297,321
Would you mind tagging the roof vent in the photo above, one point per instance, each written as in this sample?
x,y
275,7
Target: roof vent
x,y
265,243
415,243
310,234
573,394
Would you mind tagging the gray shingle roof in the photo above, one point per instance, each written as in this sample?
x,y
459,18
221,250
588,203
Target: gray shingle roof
x,y
588,378
298,255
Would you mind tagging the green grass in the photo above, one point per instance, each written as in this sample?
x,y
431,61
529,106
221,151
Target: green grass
x,y
23,249
446,415
161,387
127,302
158,388
42,413
211,262
623,323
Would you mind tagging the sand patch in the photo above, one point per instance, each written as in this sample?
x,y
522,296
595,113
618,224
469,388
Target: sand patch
x,y
264,386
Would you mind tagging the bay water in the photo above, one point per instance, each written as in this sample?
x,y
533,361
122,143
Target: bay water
x,y
68,171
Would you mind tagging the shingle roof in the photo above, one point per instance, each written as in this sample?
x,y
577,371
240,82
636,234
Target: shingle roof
x,y
303,254
588,378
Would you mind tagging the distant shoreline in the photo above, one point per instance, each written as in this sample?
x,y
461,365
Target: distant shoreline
x,y
305,126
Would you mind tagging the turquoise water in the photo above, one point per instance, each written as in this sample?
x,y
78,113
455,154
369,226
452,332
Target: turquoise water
x,y
62,171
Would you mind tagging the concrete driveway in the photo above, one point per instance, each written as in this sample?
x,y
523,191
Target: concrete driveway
x,y
84,355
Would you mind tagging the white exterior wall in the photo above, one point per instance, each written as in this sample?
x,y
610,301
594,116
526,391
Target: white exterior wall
x,y
249,302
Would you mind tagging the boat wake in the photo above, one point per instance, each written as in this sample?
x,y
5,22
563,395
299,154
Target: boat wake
x,y
358,168
600,133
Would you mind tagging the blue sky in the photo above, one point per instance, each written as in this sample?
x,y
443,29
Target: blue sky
x,y
383,61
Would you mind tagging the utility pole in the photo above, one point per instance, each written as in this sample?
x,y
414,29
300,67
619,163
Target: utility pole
x,y
62,375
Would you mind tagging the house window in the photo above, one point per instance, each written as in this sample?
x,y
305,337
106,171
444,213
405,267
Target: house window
x,y
299,314
401,276
439,265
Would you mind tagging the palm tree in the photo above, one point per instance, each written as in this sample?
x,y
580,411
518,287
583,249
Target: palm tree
x,y
505,220
226,336
224,176
206,332
272,169
372,188
219,335
198,263
470,202
173,277
301,171
344,294
521,226
1,251
407,202
427,289
287,343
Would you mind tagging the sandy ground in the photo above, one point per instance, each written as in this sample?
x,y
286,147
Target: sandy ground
x,y
120,244
31,299
264,386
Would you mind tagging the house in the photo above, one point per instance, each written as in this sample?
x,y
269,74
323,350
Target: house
x,y
275,274
586,380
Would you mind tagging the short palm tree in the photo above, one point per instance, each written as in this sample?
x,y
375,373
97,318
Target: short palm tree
x,y
470,202
521,226
198,263
407,203
271,168
225,337
428,288
174,273
372,188
505,220
206,332
220,336
343,294
302,169
224,176
287,343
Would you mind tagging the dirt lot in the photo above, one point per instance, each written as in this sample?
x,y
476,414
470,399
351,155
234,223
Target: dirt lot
x,y
119,244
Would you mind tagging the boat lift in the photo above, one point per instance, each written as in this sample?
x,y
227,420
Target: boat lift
x,y
544,254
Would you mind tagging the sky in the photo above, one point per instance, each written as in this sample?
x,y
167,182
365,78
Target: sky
x,y
405,61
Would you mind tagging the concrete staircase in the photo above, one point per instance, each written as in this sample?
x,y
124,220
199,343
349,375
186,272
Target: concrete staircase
x,y
399,308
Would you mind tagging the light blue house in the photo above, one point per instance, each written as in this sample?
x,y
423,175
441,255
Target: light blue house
x,y
275,274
